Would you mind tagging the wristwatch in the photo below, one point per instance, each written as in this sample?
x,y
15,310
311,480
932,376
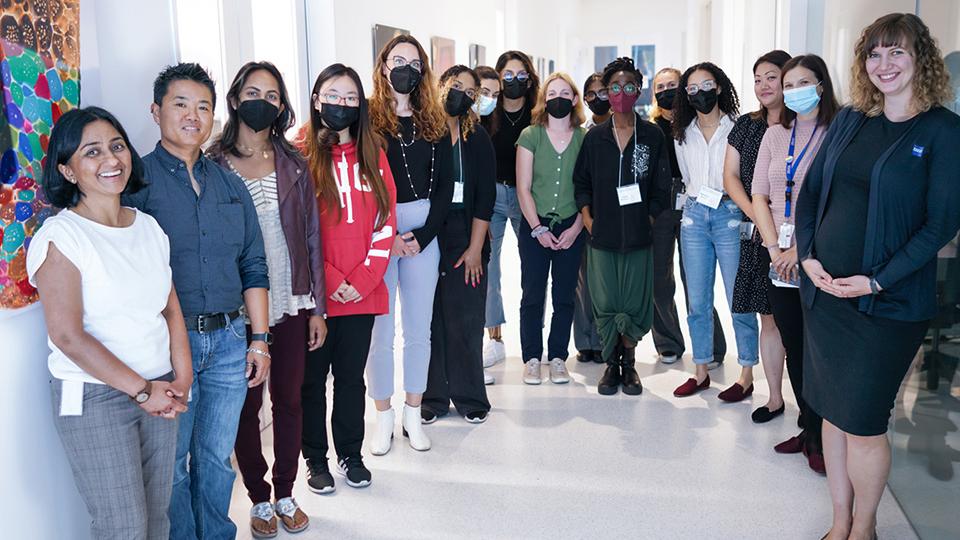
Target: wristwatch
x,y
875,287
142,396
265,337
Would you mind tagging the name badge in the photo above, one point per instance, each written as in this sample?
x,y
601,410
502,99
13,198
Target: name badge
x,y
71,398
681,201
746,230
458,192
629,194
709,197
786,235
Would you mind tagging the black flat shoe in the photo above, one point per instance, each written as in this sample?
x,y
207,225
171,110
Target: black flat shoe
x,y
763,415
585,356
597,357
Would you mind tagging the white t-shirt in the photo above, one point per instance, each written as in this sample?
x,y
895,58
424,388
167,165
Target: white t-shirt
x,y
125,280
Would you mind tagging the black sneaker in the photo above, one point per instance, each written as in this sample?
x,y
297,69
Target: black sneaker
x,y
427,416
319,479
476,417
351,467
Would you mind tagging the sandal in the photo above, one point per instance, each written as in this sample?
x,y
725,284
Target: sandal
x,y
291,516
263,522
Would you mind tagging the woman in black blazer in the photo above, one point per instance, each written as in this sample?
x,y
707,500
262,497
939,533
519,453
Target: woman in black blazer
x,y
456,351
880,199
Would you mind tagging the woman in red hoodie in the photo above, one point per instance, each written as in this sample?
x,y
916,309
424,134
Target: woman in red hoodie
x,y
357,201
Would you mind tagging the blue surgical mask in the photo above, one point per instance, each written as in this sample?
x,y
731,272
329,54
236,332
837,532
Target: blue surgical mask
x,y
802,100
484,105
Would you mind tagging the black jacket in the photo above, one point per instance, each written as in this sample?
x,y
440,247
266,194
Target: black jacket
x,y
913,211
480,176
622,228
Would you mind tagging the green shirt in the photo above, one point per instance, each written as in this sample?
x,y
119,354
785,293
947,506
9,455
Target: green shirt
x,y
552,185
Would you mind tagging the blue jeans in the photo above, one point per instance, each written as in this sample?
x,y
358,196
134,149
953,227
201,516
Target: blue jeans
x,y
200,505
709,236
506,207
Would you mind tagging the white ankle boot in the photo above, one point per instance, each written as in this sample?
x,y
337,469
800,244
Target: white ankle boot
x,y
383,434
413,428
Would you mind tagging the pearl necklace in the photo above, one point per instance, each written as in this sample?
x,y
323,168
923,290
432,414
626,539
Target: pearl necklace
x,y
406,166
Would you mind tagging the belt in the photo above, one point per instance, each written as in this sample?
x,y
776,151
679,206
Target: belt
x,y
210,322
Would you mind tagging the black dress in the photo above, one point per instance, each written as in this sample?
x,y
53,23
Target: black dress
x,y
854,362
750,286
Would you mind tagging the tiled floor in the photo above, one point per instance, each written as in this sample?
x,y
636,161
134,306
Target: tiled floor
x,y
564,462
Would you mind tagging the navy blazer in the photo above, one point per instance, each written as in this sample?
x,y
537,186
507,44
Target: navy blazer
x,y
913,211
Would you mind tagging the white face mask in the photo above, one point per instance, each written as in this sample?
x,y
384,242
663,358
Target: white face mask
x,y
484,105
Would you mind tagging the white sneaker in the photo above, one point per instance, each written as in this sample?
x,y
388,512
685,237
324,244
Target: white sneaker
x,y
558,371
668,359
488,378
383,434
413,428
494,352
531,371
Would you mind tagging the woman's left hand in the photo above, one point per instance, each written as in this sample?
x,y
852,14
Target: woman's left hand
x,y
474,268
412,245
317,332
853,286
569,236
179,388
786,264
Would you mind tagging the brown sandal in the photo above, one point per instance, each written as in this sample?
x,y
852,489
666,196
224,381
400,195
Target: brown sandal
x,y
292,518
263,522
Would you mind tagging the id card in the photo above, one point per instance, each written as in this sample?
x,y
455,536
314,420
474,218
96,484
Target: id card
x,y
746,230
681,200
71,398
629,194
709,197
458,192
786,235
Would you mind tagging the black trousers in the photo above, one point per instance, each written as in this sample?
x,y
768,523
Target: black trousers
x,y
456,333
667,336
788,314
562,266
345,352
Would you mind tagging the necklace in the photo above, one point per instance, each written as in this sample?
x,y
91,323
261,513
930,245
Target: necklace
x,y
249,152
511,120
699,125
406,166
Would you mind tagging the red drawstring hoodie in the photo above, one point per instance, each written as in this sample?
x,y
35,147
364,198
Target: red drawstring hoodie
x,y
353,249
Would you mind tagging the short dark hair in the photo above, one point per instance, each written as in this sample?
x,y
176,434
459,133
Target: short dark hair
x,y
487,72
778,58
829,106
184,71
65,140
624,63
594,77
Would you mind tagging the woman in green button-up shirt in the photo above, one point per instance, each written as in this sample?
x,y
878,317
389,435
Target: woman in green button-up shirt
x,y
550,239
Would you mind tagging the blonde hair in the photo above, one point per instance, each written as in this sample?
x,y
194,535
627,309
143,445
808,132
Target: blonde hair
x,y
539,114
428,115
931,81
656,112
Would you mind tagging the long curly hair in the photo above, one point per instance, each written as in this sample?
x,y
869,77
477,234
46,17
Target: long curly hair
x,y
684,113
469,119
539,115
931,81
428,114
317,140
533,85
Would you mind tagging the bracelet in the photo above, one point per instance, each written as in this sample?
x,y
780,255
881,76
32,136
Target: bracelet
x,y
874,286
535,233
258,351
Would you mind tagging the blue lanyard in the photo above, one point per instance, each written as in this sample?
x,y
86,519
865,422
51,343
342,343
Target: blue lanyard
x,y
794,163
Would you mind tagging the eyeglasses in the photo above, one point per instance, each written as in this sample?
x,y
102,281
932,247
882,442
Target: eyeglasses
x,y
336,99
487,92
705,86
629,89
399,62
521,76
470,92
591,95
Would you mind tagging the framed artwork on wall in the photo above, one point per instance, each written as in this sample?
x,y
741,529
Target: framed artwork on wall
x,y
382,34
644,57
478,55
443,54
603,56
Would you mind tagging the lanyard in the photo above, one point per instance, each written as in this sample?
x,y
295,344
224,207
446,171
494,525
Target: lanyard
x,y
620,165
794,163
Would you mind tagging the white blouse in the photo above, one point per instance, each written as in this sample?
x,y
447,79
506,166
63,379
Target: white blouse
x,y
701,163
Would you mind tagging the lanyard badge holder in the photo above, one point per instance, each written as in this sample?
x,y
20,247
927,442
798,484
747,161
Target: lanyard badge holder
x,y
458,184
630,193
785,238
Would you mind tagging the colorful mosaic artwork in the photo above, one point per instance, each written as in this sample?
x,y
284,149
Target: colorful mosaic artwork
x,y
39,63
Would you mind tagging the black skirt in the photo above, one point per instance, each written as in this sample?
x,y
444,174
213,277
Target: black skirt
x,y
854,363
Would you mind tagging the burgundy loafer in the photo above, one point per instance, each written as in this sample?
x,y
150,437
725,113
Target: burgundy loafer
x,y
736,393
793,445
691,387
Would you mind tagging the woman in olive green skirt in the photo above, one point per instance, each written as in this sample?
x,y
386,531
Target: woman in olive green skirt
x,y
621,182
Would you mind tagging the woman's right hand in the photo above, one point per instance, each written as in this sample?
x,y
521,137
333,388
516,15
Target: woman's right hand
x,y
820,278
400,248
161,403
548,240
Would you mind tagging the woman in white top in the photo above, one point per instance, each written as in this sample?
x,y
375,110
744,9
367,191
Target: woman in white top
x,y
703,116
120,358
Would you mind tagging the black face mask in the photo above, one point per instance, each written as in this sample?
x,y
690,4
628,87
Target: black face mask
x,y
457,102
704,101
514,88
404,79
258,114
599,106
665,98
338,117
559,107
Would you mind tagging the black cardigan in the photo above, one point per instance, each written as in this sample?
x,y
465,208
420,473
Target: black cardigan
x,y
622,228
913,211
480,176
